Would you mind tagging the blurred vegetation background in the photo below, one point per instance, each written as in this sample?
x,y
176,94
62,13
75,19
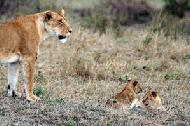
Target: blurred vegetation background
x,y
164,16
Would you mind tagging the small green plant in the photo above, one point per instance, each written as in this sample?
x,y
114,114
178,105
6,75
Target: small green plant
x,y
186,57
38,90
69,123
2,112
147,39
176,75
109,124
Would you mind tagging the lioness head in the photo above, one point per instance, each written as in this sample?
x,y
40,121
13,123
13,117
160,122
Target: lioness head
x,y
135,85
57,25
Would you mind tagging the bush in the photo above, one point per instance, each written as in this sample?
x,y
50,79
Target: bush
x,y
114,14
12,7
96,21
177,7
126,12
169,25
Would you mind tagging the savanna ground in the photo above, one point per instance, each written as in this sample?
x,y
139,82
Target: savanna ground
x,y
74,80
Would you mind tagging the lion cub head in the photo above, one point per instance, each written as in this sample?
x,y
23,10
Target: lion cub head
x,y
150,101
127,95
135,85
56,24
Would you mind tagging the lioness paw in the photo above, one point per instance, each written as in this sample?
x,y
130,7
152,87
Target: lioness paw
x,y
33,98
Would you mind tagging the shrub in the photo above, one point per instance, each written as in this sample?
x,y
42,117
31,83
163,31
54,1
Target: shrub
x,y
126,12
12,7
177,7
97,21
169,25
114,14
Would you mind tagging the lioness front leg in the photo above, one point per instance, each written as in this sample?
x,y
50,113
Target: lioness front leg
x,y
13,72
28,72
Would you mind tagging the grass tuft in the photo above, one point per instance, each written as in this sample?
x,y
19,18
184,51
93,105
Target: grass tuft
x,y
38,90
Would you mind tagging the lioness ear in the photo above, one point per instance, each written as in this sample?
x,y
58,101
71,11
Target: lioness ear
x,y
135,83
48,16
154,94
62,12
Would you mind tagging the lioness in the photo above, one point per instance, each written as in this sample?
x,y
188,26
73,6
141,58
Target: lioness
x,y
127,95
150,101
19,43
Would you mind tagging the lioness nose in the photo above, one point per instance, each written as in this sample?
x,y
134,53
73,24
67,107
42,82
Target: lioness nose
x,y
70,30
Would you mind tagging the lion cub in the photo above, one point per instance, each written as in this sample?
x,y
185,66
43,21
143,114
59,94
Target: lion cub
x,y
150,101
127,95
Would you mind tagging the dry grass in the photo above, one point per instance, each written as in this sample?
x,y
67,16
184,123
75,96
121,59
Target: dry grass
x,y
88,70
77,78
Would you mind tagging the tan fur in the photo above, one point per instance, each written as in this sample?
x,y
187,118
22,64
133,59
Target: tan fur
x,y
150,101
20,39
127,95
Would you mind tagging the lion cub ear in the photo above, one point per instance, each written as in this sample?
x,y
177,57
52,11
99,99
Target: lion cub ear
x,y
154,94
48,16
62,12
128,80
135,83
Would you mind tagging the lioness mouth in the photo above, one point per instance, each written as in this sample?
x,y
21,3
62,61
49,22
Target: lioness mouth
x,y
61,37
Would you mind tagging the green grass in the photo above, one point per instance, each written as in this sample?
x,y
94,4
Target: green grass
x,y
69,123
175,75
186,56
147,39
38,90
